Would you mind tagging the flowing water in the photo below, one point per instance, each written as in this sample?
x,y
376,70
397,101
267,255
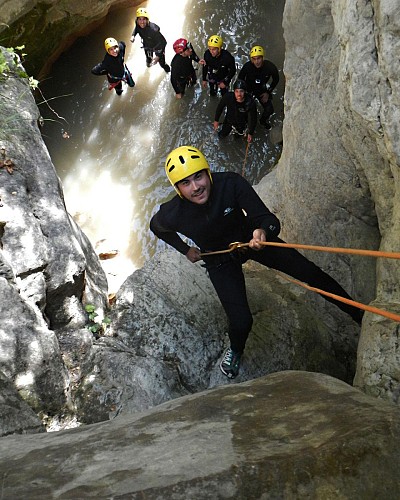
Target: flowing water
x,y
109,151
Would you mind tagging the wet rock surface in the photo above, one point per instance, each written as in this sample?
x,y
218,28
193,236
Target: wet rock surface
x,y
287,435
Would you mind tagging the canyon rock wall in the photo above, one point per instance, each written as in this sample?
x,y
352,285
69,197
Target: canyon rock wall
x,y
338,180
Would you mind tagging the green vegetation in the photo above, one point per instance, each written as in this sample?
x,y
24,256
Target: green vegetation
x,y
94,326
14,67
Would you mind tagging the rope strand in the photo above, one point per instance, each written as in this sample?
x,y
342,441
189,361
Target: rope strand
x,y
370,253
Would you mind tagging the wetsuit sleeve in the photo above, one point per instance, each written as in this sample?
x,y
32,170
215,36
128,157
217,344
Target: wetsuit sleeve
x,y
231,69
122,48
220,107
99,69
160,229
193,55
258,214
274,75
205,67
242,74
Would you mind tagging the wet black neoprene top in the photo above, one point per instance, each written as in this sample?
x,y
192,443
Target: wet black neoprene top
x,y
220,221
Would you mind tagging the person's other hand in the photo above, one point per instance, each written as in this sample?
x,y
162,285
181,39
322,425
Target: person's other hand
x,y
222,85
215,125
132,39
193,254
259,236
204,84
249,138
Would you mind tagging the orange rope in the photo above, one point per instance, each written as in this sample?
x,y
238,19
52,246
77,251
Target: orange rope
x,y
372,309
354,251
371,253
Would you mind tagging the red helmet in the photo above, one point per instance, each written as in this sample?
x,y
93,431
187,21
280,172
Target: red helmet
x,y
180,45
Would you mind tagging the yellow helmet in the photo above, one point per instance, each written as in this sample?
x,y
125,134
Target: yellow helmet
x,y
183,162
215,41
110,42
256,51
142,13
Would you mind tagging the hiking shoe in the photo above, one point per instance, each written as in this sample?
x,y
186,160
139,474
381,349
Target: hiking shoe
x,y
118,91
230,363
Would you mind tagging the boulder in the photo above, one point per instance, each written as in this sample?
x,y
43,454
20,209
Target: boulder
x,y
287,435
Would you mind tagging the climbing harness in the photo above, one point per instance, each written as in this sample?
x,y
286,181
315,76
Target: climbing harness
x,y
127,78
237,245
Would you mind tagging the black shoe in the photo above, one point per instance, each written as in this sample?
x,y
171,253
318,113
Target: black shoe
x,y
118,91
148,61
230,363
167,69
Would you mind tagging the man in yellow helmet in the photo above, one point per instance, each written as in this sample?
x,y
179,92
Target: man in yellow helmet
x,y
262,77
219,67
113,66
153,40
214,210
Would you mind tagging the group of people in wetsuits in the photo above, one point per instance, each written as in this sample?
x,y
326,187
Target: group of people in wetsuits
x,y
256,80
210,209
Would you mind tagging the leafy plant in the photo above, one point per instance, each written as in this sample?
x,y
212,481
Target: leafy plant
x,y
16,55
96,327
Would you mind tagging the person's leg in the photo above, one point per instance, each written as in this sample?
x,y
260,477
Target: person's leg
x,y
149,57
268,110
228,281
162,63
225,130
213,88
299,267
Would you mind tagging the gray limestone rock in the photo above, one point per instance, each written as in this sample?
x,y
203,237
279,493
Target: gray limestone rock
x,y
287,435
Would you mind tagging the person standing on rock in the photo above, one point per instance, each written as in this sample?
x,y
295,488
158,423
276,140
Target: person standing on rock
x,y
113,66
219,67
261,77
214,210
241,112
182,70
153,40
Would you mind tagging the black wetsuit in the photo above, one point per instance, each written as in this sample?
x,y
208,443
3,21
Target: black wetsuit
x,y
182,72
238,115
219,69
221,221
259,81
153,42
115,69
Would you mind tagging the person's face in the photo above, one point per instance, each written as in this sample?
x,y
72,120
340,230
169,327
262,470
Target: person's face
x,y
142,21
257,61
113,51
239,95
186,53
196,188
214,51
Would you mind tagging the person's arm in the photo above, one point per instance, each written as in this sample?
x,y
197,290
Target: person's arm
x,y
99,69
274,75
220,107
205,70
158,227
259,216
231,69
134,33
